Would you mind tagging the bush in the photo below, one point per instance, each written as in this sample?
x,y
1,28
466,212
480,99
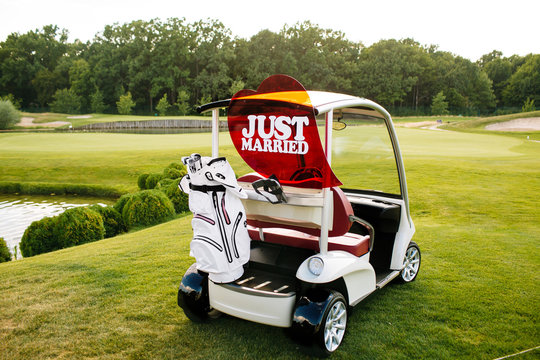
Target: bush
x,y
163,106
5,254
177,166
172,173
152,180
141,181
66,101
125,104
38,238
119,205
147,207
78,226
96,102
9,116
164,184
177,197
112,220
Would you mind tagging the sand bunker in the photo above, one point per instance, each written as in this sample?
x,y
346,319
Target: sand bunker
x,y
526,124
29,122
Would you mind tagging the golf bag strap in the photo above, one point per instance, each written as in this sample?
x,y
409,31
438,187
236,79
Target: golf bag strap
x,y
207,188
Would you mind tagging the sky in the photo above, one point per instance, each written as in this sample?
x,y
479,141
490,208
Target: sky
x,y
468,28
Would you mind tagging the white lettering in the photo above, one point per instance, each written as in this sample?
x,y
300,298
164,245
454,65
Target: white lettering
x,y
278,136
257,146
260,128
300,121
251,131
282,125
246,144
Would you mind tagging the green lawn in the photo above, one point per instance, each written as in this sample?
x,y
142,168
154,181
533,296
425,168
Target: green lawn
x,y
474,201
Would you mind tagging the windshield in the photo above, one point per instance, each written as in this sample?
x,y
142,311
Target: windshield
x,y
362,155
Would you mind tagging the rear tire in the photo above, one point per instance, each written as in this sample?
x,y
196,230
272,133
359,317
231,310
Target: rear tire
x,y
411,263
334,324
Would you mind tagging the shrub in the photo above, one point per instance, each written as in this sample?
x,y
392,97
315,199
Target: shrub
x,y
147,207
112,220
96,102
528,105
152,180
173,173
141,181
177,197
5,254
66,101
78,226
439,106
163,106
178,166
119,205
125,104
9,116
39,238
164,184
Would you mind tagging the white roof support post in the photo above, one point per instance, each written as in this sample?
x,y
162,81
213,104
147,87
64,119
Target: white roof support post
x,y
215,132
327,192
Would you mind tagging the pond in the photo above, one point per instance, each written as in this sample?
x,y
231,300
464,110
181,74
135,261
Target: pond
x,y
17,212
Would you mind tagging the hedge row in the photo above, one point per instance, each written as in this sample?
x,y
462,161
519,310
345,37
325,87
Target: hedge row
x,y
86,224
37,188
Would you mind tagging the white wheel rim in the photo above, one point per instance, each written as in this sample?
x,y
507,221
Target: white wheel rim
x,y
411,264
334,329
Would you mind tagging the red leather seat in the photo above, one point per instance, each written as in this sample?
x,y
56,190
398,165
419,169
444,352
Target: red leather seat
x,y
306,237
352,243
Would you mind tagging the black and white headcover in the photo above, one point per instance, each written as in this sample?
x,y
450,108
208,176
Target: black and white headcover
x,y
220,243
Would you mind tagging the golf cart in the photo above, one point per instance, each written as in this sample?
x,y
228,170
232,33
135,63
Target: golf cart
x,y
316,247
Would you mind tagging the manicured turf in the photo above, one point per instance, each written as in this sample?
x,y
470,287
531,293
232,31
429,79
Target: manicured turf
x,y
474,201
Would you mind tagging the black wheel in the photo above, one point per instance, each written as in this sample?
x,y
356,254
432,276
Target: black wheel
x,y
333,326
411,263
320,322
193,296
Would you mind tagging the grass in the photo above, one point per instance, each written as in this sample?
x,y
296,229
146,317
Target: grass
x,y
473,200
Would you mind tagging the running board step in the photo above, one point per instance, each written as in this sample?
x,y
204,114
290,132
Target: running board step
x,y
384,281
261,283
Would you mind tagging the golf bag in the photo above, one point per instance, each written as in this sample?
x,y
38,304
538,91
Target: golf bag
x,y
220,243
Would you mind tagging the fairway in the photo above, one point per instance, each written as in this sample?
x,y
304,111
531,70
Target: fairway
x,y
474,202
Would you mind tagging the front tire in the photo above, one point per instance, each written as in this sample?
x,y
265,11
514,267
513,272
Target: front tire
x,y
411,263
334,325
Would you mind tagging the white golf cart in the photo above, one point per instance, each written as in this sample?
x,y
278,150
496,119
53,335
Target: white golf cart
x,y
317,247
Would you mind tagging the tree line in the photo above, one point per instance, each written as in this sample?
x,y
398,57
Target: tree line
x,y
171,66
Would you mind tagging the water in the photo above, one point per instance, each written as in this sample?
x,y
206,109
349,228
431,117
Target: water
x,y
18,212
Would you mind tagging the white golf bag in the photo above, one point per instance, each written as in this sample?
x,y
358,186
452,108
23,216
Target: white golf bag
x,y
220,243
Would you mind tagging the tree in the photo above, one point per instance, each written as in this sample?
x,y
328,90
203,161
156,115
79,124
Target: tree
x,y
82,82
439,105
9,116
125,104
524,83
386,71
528,105
66,101
163,106
23,56
96,102
182,103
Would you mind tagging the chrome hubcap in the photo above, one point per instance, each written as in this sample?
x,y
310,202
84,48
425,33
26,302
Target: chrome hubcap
x,y
335,326
411,264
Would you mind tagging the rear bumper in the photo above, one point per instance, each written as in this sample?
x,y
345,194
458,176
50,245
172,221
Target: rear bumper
x,y
262,306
